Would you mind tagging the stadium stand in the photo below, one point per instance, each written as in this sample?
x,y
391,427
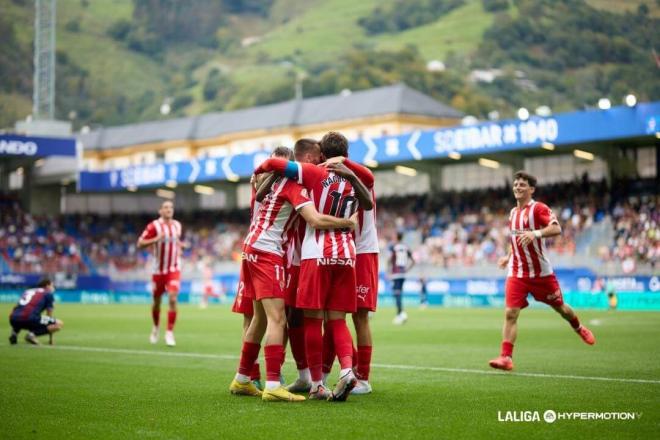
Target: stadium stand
x,y
616,224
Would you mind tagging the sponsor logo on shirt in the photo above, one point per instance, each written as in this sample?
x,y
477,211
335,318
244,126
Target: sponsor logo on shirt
x,y
252,258
362,292
335,262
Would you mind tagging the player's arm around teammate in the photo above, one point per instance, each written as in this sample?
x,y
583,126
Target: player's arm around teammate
x,y
361,192
359,176
264,183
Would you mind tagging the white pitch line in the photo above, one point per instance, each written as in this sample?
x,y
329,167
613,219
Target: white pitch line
x,y
501,373
386,366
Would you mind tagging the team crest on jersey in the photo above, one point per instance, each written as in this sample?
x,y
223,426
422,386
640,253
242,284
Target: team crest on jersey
x,y
303,192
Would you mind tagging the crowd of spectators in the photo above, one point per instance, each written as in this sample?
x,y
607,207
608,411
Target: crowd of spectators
x,y
471,228
449,229
637,233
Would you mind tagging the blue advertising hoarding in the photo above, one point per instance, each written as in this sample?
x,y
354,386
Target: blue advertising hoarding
x,y
489,137
31,146
580,290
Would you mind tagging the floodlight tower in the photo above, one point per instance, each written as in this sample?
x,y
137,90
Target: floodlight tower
x,y
43,95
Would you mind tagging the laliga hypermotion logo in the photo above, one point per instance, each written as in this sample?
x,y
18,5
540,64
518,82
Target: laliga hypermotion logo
x,y
550,416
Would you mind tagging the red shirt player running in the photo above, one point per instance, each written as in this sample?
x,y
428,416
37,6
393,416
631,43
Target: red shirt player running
x,y
163,235
529,268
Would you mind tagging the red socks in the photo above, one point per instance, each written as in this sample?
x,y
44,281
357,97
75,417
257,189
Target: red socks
x,y
364,361
274,355
255,374
328,349
507,348
297,340
155,316
171,319
249,355
343,342
314,346
575,323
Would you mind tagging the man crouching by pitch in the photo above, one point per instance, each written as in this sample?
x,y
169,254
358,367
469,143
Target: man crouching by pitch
x,y
27,314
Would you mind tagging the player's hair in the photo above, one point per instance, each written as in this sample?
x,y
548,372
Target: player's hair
x,y
44,282
334,144
399,236
304,146
283,151
167,201
525,176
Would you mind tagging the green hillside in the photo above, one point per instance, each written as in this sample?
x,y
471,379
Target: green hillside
x,y
119,60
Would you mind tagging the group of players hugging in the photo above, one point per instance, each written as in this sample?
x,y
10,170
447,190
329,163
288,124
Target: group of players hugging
x,y
310,257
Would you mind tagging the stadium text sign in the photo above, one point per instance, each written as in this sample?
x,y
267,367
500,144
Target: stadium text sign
x,y
494,135
484,138
15,145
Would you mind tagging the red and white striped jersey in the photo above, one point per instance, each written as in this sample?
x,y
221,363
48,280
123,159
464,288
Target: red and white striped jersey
x,y
167,250
531,261
293,243
276,215
332,195
366,235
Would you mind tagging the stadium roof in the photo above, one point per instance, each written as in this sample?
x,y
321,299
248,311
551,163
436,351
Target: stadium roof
x,y
395,99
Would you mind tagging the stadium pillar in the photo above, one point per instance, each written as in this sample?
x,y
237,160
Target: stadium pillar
x,y
4,177
434,171
516,161
26,190
619,162
45,200
657,161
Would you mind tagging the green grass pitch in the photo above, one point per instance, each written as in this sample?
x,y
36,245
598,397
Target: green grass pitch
x,y
103,379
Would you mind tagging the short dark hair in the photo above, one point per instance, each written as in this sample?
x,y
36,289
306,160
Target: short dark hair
x,y
304,145
282,151
334,144
525,176
399,236
44,282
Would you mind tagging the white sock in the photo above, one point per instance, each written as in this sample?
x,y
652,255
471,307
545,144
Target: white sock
x,y
304,375
325,377
272,385
242,378
344,372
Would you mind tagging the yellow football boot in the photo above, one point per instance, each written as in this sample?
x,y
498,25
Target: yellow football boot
x,y
280,394
243,389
